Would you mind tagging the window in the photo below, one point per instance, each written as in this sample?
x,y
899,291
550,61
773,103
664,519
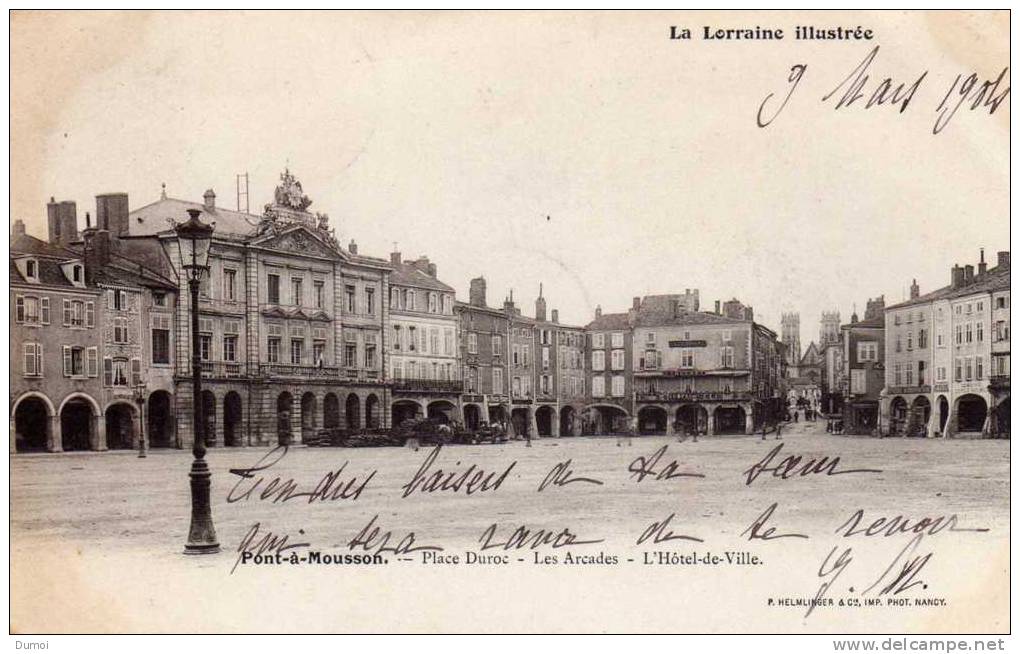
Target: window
x,y
273,349
618,386
899,343
922,338
319,288
545,358
970,308
434,340
433,304
297,350
74,360
396,338
448,342
650,338
229,284
979,363
158,299
370,301
205,347
472,343
910,341
33,359
120,330
318,352
959,333
351,355
230,348
1000,303
617,339
598,360
297,291
727,356
687,358
497,381
598,341
940,374
867,351
727,335
394,298
959,369
497,345
897,374
31,269
409,300
980,332
370,360
351,302
980,307
939,340
115,372
274,288
920,373
858,381
411,338
969,368
970,332
160,339
598,386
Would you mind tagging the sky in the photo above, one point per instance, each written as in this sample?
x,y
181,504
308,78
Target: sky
x,y
586,152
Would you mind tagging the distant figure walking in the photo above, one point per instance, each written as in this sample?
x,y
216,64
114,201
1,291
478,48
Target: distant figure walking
x,y
779,431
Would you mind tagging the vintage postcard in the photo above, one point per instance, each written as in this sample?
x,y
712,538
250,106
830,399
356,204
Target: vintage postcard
x,y
510,322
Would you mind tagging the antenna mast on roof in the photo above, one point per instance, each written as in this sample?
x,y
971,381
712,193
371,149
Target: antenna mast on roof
x,y
242,192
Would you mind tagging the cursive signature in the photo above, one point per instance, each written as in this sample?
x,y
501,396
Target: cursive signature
x,y
642,467
797,466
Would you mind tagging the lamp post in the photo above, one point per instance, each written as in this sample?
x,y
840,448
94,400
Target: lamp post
x,y
193,239
140,400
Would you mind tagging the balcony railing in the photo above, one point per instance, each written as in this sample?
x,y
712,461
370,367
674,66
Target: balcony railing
x,y
429,385
294,370
695,396
223,369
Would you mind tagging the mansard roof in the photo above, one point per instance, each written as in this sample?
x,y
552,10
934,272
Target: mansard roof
x,y
406,274
994,279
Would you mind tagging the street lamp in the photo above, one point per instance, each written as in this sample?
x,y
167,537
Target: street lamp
x,y
193,239
140,400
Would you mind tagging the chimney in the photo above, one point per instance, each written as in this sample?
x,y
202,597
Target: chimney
x,y
508,303
353,247
598,312
540,306
432,270
717,308
476,296
97,248
112,213
957,276
395,258
1004,259
209,200
697,301
636,303
18,229
968,275
915,290
982,266
555,315
53,221
422,264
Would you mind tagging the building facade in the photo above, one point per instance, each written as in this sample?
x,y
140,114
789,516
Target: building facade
x,y
424,354
940,377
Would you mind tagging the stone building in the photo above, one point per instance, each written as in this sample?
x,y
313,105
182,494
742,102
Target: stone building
x,y
939,351
424,358
716,373
291,324
863,368
559,374
484,333
81,335
609,373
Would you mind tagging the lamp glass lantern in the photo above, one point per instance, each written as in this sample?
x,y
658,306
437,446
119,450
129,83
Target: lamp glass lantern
x,y
193,239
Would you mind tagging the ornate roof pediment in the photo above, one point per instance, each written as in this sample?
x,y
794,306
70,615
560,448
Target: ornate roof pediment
x,y
298,240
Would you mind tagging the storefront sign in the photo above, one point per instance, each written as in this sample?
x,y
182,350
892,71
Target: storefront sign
x,y
688,343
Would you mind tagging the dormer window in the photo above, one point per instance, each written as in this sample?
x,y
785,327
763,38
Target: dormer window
x,y
76,273
32,269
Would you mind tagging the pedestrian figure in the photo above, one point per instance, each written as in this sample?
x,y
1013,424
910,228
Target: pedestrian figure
x,y
764,425
779,431
796,415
